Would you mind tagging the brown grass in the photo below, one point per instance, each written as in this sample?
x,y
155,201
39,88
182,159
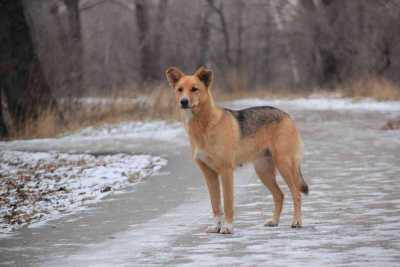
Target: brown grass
x,y
45,126
160,104
377,88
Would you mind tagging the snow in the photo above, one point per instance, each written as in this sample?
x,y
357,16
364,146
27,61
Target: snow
x,y
103,101
341,226
158,130
84,181
320,103
124,137
76,178
157,235
37,187
350,215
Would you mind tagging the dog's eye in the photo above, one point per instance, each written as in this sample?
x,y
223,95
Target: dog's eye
x,y
180,89
194,89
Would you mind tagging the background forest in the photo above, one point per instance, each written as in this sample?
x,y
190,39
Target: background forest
x,y
55,52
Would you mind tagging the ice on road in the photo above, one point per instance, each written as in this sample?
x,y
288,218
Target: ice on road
x,y
351,216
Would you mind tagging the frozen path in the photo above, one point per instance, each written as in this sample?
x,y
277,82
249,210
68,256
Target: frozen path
x,y
351,217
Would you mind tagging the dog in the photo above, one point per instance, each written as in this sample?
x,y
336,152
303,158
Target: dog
x,y
222,139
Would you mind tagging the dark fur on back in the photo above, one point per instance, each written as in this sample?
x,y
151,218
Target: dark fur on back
x,y
251,119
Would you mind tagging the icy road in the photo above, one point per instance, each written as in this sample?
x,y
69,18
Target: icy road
x,y
351,217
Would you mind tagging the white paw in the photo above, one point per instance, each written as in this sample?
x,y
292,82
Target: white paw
x,y
226,228
216,227
213,229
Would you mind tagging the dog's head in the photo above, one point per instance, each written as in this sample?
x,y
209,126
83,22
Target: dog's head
x,y
191,91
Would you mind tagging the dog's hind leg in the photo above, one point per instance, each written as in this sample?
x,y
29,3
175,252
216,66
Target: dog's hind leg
x,y
289,171
214,191
266,171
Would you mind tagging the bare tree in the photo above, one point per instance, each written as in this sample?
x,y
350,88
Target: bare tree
x,y
70,39
240,6
250,44
158,39
204,39
143,25
219,11
24,89
75,45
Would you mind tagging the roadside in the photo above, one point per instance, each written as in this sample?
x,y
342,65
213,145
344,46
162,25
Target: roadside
x,y
351,215
41,186
45,179
157,102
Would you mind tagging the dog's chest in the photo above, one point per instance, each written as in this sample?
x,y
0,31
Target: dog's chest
x,y
207,145
201,155
203,150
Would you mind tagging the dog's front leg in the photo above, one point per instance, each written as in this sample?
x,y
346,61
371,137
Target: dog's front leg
x,y
212,181
227,187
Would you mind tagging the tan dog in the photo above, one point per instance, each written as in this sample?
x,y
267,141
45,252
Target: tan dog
x,y
222,139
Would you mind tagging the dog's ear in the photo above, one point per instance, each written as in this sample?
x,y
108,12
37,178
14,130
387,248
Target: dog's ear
x,y
173,75
204,75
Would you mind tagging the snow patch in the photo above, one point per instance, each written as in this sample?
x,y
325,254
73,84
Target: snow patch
x,y
36,187
160,130
318,103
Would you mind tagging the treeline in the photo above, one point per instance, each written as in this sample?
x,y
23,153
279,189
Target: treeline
x,y
106,44
72,48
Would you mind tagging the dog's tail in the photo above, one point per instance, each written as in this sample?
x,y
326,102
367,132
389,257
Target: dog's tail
x,y
302,183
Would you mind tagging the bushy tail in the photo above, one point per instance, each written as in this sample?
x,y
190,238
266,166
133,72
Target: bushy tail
x,y
303,185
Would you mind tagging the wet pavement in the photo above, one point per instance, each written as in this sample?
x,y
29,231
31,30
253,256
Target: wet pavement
x,y
351,216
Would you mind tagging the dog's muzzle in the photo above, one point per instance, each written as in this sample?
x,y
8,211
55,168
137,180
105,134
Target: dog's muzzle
x,y
184,103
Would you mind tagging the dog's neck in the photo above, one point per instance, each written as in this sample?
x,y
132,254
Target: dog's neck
x,y
205,115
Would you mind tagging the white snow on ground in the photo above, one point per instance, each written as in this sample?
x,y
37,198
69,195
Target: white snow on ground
x,y
350,215
12,162
36,187
353,226
174,131
107,101
159,130
156,235
319,103
107,133
125,137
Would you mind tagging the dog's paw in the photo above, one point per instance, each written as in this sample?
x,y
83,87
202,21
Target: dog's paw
x,y
271,224
216,227
226,228
296,225
213,229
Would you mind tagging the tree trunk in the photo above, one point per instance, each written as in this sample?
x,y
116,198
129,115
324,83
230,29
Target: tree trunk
x,y
204,39
281,26
239,30
75,47
24,90
143,26
224,29
156,71
324,61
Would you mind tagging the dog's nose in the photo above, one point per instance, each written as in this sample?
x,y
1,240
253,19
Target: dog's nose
x,y
184,103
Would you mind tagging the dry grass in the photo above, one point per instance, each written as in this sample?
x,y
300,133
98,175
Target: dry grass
x,y
45,126
377,88
159,103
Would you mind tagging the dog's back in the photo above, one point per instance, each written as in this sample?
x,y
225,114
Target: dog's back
x,y
252,119
268,130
